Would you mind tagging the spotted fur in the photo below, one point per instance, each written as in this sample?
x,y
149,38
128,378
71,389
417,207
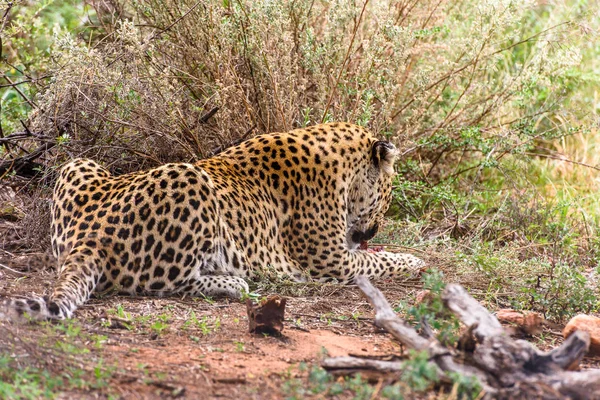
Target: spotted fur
x,y
296,203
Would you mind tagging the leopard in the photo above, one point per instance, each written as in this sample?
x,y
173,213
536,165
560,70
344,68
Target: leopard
x,y
296,204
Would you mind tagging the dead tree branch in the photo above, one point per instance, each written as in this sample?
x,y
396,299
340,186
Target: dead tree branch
x,y
26,166
505,367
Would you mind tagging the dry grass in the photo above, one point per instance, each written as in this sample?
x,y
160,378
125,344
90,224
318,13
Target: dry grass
x,y
161,80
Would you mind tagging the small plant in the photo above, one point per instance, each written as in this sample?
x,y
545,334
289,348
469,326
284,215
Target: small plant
x,y
418,373
142,320
205,325
195,339
361,388
559,291
120,312
393,392
431,310
467,388
102,375
159,327
319,380
207,299
63,139
24,383
239,346
71,328
98,340
256,297
164,317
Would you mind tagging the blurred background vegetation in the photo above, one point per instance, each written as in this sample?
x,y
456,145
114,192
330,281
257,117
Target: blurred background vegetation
x,y
494,105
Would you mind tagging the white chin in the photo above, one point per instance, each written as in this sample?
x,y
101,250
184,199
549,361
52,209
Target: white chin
x,y
352,245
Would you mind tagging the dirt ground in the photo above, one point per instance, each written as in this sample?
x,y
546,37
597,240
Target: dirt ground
x,y
146,348
156,347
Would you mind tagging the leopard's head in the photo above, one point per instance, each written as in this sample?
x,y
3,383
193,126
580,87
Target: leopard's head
x,y
370,194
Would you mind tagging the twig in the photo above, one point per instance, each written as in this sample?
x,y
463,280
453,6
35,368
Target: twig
x,y
230,380
388,320
31,103
27,131
12,270
399,246
203,119
343,66
334,318
14,136
24,165
298,327
4,21
275,92
241,139
552,157
450,74
24,81
174,22
362,363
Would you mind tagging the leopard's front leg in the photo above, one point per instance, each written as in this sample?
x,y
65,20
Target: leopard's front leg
x,y
351,263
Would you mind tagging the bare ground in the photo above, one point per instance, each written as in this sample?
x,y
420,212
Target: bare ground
x,y
138,348
156,348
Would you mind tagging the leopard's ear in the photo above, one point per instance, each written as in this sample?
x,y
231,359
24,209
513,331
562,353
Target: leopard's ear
x,y
383,155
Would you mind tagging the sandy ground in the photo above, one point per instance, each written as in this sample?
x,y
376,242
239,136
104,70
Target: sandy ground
x,y
193,348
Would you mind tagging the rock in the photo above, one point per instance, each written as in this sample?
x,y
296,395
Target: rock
x,y
529,323
423,296
589,324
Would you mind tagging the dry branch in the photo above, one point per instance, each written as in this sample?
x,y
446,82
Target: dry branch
x,y
506,368
387,319
361,363
26,166
470,312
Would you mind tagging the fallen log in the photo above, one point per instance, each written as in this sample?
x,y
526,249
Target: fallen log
x,y
506,368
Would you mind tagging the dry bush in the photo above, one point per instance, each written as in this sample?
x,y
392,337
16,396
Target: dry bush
x,y
36,222
447,79
459,86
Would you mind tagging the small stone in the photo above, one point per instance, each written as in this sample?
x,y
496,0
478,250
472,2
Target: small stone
x,y
529,323
510,316
589,324
423,296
